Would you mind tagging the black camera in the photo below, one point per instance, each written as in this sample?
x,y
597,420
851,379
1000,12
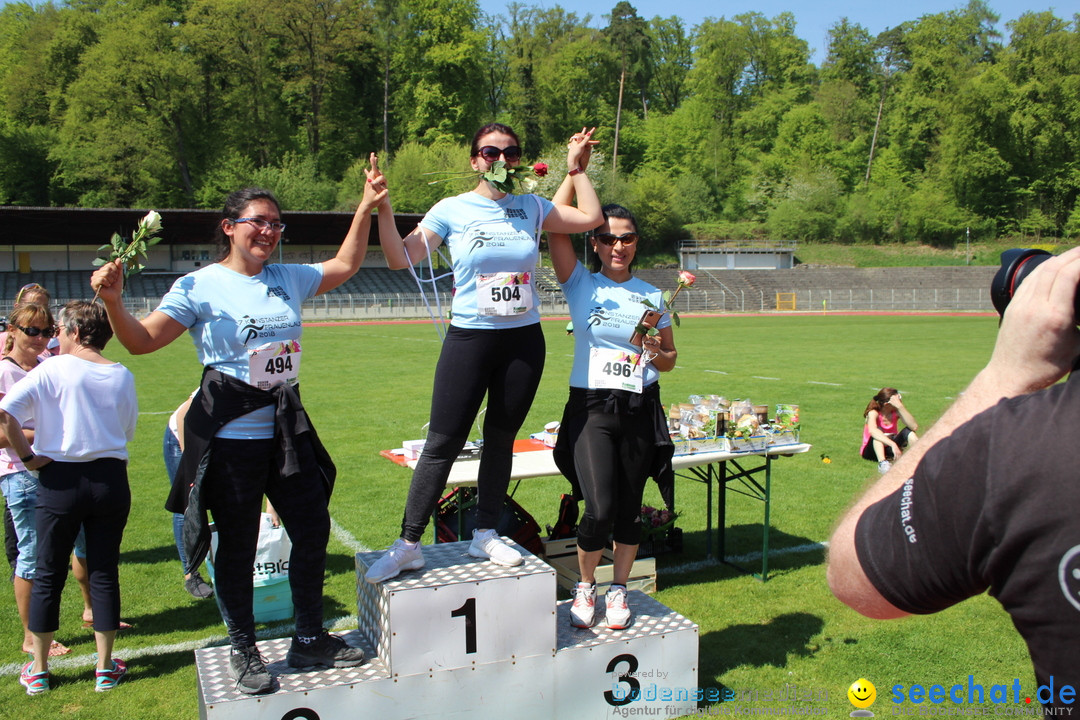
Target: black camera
x,y
1017,264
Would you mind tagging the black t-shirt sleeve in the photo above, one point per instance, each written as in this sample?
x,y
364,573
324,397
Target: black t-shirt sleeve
x,y
923,547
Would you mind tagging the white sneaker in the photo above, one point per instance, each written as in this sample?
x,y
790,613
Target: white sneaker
x,y
583,610
488,544
397,558
616,611
884,466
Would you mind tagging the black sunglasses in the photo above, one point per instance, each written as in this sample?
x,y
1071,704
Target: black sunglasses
x,y
609,239
492,153
34,332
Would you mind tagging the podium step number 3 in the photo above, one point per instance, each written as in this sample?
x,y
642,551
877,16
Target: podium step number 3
x,y
465,638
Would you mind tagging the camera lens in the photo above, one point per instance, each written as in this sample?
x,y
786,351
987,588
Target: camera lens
x,y
1017,264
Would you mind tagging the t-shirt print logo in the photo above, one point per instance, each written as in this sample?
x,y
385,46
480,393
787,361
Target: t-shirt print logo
x,y
277,291
250,328
597,315
479,242
1069,576
516,213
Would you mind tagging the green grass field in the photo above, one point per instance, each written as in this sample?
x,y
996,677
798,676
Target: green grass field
x,y
367,388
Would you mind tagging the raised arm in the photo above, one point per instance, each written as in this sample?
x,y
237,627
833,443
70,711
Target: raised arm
x,y
350,256
402,252
1036,346
564,217
153,332
909,420
563,257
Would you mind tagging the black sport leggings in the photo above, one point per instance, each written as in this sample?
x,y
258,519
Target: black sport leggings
x,y
504,364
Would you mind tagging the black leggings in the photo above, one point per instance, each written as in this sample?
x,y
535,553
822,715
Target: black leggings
x,y
93,495
613,455
504,364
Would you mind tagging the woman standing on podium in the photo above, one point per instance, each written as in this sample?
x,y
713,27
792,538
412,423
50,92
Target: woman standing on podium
x,y
614,430
246,432
494,345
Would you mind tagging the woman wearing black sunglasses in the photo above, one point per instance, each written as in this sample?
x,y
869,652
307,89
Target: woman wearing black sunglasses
x,y
494,345
614,430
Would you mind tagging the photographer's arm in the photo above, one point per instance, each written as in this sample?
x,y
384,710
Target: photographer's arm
x,y
1036,346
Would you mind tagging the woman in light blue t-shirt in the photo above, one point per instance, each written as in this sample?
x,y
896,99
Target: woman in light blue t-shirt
x,y
613,432
243,314
494,346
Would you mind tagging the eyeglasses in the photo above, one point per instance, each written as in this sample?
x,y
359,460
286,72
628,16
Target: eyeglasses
x,y
610,240
492,153
262,225
34,332
31,287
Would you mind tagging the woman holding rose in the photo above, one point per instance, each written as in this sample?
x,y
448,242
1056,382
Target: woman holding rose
x,y
614,429
494,345
246,432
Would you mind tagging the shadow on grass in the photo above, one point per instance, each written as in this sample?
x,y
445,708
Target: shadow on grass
x,y
150,556
742,548
757,645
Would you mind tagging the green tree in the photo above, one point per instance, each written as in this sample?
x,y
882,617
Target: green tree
x,y
672,57
628,34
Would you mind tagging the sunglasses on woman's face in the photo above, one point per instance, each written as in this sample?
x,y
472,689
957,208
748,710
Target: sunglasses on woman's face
x,y
34,332
492,153
610,240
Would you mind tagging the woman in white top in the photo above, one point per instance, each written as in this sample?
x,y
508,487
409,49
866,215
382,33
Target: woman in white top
x,y
84,409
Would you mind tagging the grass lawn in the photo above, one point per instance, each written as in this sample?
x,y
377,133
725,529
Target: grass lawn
x,y
367,388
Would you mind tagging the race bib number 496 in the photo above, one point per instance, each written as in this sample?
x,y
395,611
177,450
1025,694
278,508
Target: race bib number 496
x,y
614,370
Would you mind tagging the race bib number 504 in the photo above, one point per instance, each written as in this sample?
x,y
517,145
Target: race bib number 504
x,y
274,363
505,293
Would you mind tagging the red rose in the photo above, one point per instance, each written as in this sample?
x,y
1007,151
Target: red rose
x,y
540,169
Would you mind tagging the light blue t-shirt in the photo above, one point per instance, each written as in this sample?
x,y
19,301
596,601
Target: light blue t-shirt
x,y
489,237
229,314
605,314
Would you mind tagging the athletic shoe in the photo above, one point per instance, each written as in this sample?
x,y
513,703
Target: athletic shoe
x,y
197,587
884,466
397,558
326,650
616,611
488,544
247,668
105,680
583,609
35,683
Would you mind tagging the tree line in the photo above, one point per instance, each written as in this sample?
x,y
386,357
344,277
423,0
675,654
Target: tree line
x,y
725,129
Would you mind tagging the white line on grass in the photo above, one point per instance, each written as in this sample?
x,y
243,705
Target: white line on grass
x,y
347,622
818,382
762,377
740,559
718,372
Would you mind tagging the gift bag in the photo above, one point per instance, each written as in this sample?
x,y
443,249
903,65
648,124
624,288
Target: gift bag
x,y
272,598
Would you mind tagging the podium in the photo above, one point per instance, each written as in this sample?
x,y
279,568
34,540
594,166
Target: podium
x,y
465,638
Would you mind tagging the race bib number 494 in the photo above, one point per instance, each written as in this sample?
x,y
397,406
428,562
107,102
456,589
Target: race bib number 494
x,y
274,363
614,370
502,294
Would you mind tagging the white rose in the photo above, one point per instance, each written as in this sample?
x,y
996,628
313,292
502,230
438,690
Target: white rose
x,y
152,222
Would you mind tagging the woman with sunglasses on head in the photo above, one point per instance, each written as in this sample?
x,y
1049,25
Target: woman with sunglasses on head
x,y
494,345
613,430
84,409
246,433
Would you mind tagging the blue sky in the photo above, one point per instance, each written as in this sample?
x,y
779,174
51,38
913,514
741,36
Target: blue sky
x,y
813,18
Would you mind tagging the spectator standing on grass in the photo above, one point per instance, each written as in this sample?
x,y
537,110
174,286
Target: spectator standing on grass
x,y
883,439
978,505
494,346
84,410
30,327
172,448
27,294
613,430
246,432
